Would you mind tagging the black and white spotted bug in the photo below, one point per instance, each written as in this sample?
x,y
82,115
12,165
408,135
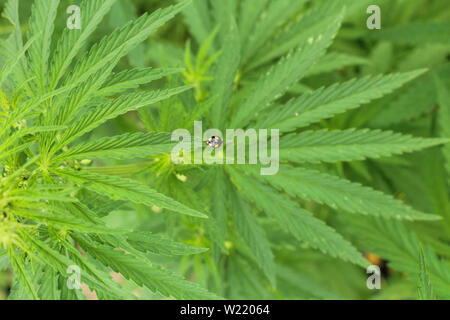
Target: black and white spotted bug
x,y
214,142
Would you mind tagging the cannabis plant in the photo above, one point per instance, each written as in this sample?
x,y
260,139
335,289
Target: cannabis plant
x,y
51,206
251,59
88,166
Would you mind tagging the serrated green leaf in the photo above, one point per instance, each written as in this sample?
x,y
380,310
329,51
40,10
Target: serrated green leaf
x,y
132,79
339,193
401,247
125,189
425,291
197,17
295,220
444,119
349,145
415,100
59,217
219,209
325,103
250,11
72,41
415,33
271,18
254,236
10,65
95,278
23,273
226,71
48,286
296,32
121,42
27,131
334,61
13,46
126,146
143,273
43,15
110,110
4,260
147,242
285,73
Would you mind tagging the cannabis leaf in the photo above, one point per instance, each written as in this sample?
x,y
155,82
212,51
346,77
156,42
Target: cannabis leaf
x,y
357,135
425,291
46,221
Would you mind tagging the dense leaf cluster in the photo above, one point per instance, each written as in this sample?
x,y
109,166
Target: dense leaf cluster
x,y
85,146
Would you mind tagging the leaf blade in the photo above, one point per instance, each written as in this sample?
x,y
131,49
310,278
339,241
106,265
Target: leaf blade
x,y
349,145
125,189
339,193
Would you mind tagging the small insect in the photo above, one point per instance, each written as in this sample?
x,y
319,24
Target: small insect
x,y
214,142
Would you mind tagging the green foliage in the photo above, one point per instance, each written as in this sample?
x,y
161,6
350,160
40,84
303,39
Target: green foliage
x,y
416,33
425,291
297,221
325,103
119,147
348,145
42,211
444,119
87,179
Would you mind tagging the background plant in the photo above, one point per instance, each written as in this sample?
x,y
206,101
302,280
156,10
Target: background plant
x,y
308,68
